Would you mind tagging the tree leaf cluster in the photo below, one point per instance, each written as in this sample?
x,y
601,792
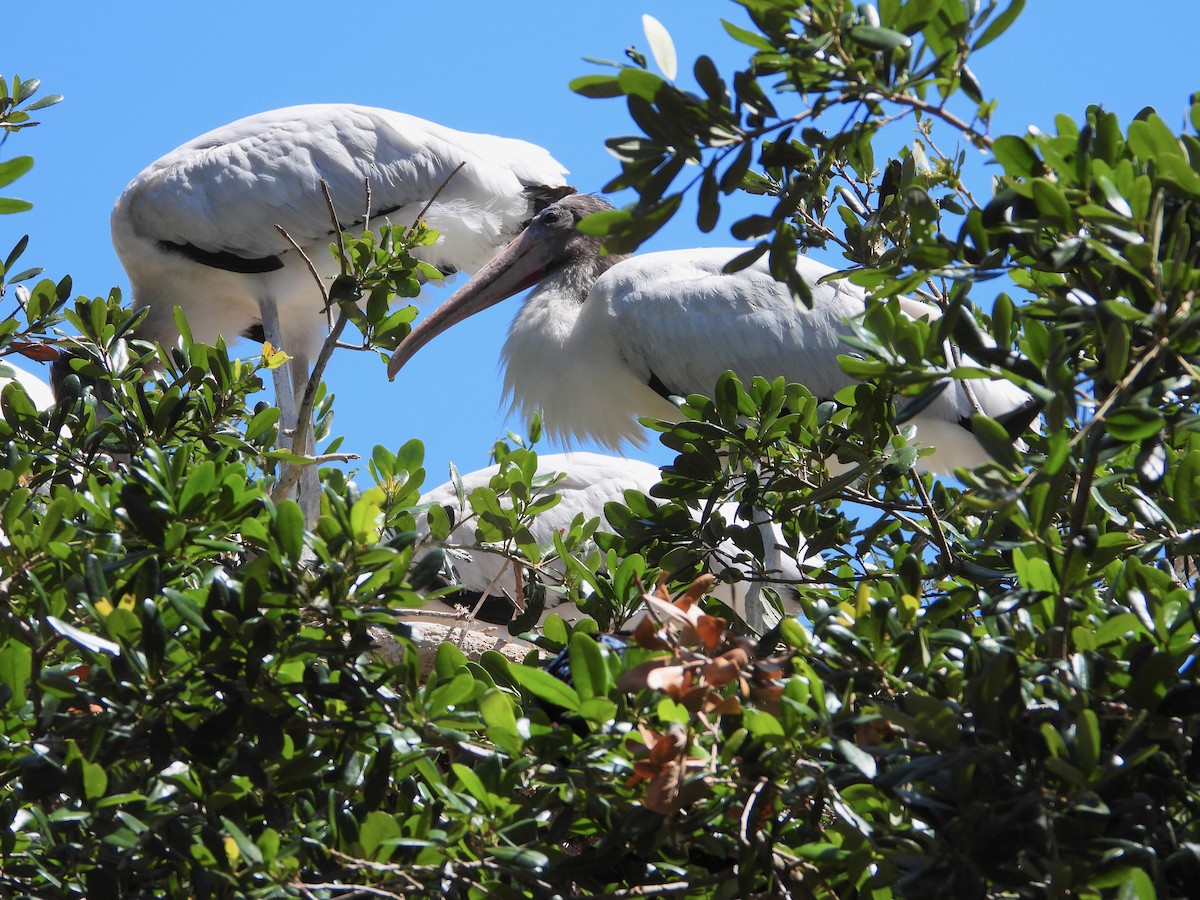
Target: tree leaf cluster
x,y
991,690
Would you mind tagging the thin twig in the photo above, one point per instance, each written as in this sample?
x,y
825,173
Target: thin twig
x,y
337,222
747,810
658,890
935,524
978,138
336,457
441,187
351,890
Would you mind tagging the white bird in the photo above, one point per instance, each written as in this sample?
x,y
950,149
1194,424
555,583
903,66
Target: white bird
x,y
590,480
605,339
198,228
36,389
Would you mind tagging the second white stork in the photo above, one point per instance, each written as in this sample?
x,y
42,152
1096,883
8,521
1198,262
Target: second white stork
x,y
605,339
200,228
588,482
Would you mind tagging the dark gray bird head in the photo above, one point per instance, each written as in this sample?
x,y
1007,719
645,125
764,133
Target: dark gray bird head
x,y
550,246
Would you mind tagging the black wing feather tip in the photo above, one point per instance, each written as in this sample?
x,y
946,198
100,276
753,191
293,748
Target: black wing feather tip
x,y
223,259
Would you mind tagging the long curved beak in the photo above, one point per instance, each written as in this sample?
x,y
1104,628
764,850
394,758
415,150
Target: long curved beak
x,y
518,266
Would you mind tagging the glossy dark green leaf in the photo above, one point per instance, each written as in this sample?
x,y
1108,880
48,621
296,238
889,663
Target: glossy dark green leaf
x,y
85,639
589,671
546,687
999,24
880,38
597,86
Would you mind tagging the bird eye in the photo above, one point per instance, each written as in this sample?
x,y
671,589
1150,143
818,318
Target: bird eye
x,y
550,217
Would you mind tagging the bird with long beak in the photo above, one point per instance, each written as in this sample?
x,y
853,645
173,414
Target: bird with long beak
x,y
234,226
605,339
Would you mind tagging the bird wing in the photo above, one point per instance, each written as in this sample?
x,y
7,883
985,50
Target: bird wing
x,y
225,191
679,321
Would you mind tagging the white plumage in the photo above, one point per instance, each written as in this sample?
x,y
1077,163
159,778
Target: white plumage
x,y
603,340
590,481
197,229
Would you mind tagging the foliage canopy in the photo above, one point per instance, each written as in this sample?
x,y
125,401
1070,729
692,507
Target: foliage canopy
x,y
993,689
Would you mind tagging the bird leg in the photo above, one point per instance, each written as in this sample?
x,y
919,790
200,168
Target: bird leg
x,y
303,442
290,381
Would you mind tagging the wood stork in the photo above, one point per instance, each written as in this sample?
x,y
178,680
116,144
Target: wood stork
x,y
590,480
198,228
605,339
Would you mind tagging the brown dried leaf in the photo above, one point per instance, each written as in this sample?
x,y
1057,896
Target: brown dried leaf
x,y
633,680
726,667
728,706
671,680
645,635
38,350
669,745
696,590
662,796
667,613
660,591
711,631
697,698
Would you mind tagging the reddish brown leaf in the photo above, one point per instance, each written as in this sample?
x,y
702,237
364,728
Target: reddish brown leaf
x,y
726,667
645,635
662,796
38,350
671,680
711,630
696,590
633,680
660,591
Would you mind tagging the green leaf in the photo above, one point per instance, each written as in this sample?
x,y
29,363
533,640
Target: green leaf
x,y
85,639
589,671
597,86
366,516
246,847
1051,202
544,686
555,629
640,83
262,422
496,709
1016,156
14,168
762,724
749,38
8,205
999,25
95,780
1087,741
521,857
455,692
880,38
1133,423
377,828
15,661
857,757
995,440
289,529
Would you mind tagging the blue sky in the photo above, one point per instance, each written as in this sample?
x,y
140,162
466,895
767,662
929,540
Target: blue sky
x,y
140,79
